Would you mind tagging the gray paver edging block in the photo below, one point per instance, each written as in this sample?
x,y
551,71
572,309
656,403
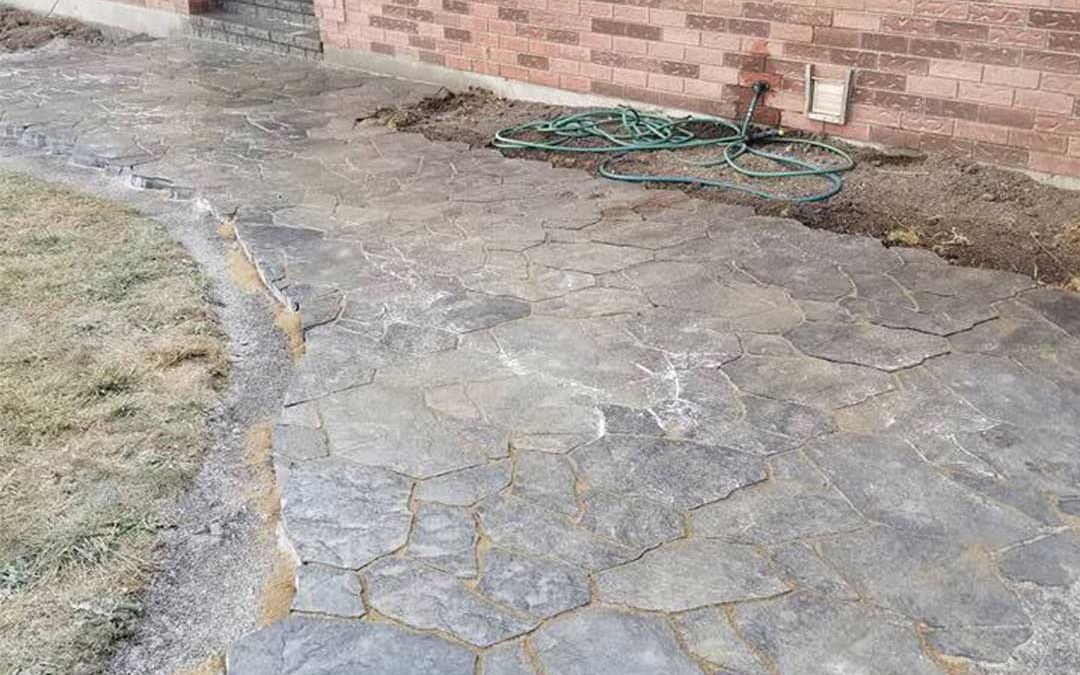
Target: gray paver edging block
x,y
537,407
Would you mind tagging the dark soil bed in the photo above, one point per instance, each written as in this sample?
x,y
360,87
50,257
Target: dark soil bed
x,y
21,30
969,213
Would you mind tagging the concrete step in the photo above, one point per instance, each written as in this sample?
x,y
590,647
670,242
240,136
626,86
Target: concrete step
x,y
283,11
258,33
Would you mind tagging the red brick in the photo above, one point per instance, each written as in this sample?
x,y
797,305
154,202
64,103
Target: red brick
x,y
1006,117
1041,142
702,22
942,8
932,86
935,49
1063,83
836,37
946,145
871,79
1045,101
1064,42
986,93
626,29
927,124
956,30
984,133
894,137
999,154
1011,77
996,14
952,108
1054,164
1054,20
885,43
907,24
1024,37
904,64
972,72
1058,63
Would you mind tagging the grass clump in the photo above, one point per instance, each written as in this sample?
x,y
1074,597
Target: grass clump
x,y
109,360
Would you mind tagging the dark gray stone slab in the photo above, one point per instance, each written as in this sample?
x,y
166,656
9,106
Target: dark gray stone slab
x,y
541,587
692,573
301,645
633,644
1057,306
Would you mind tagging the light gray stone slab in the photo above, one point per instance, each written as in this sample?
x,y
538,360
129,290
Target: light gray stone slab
x,y
889,483
692,573
673,472
1053,560
709,635
812,635
593,302
426,599
590,258
506,659
813,382
301,645
801,565
378,426
298,443
940,582
545,479
344,514
796,503
444,537
520,525
633,644
465,487
635,521
542,587
866,344
409,339
327,590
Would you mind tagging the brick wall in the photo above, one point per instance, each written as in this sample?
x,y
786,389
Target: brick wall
x,y
997,81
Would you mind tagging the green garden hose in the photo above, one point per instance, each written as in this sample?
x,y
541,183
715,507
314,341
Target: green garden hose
x,y
623,131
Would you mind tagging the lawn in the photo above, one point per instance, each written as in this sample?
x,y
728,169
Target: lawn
x,y
109,362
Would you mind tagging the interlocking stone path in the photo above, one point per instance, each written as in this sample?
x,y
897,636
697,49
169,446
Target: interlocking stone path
x,y
548,424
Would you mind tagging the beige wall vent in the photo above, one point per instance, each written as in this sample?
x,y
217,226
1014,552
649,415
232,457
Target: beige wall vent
x,y
827,98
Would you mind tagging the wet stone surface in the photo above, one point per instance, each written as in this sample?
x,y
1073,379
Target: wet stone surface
x,y
552,424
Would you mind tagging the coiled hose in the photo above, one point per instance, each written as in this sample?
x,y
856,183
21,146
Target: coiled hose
x,y
623,131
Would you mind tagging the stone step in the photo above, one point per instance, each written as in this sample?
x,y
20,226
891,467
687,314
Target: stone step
x,y
282,11
258,33
292,6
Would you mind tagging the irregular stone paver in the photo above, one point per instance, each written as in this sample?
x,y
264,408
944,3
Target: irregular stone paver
x,y
632,645
709,635
866,345
896,438
301,645
465,487
426,599
540,586
326,590
677,473
444,537
810,635
343,514
683,575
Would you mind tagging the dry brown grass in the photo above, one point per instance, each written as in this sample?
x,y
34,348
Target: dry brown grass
x,y
215,665
243,273
279,589
108,363
289,323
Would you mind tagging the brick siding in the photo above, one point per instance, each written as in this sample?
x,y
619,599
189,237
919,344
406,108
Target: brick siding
x,y
995,81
